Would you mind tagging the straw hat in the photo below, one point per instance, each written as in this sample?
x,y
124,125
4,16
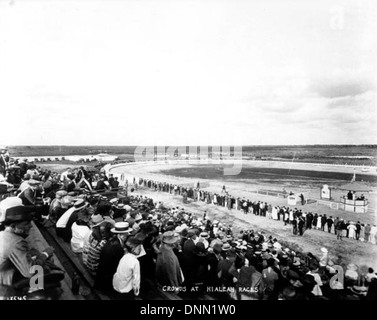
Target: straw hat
x,y
226,246
34,182
169,237
204,235
80,204
121,227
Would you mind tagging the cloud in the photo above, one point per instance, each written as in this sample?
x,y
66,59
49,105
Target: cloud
x,y
341,88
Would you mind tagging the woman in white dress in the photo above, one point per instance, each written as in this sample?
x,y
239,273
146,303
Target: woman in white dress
x,y
373,233
319,222
274,214
291,218
351,230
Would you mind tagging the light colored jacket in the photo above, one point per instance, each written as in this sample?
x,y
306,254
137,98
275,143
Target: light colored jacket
x,y
15,254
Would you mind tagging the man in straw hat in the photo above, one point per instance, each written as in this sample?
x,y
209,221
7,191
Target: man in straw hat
x,y
110,256
16,255
65,222
168,270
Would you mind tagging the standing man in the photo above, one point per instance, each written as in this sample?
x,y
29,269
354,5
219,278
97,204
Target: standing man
x,y
323,222
330,222
126,280
168,270
302,199
294,224
110,255
301,223
358,229
339,229
309,220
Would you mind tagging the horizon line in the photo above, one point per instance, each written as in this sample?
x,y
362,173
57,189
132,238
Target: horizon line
x,y
191,145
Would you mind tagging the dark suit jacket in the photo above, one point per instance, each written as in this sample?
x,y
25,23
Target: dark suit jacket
x,y
188,258
109,259
101,185
27,197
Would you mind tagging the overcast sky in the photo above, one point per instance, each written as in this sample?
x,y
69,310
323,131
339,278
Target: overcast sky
x,y
188,72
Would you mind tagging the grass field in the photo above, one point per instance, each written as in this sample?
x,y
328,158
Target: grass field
x,y
273,175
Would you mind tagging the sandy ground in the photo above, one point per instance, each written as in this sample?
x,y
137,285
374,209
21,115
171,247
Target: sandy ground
x,y
346,251
247,188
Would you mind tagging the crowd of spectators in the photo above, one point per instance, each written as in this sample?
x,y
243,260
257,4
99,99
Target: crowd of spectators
x,y
129,242
299,220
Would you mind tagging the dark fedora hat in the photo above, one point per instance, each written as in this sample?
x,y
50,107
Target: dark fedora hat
x,y
17,214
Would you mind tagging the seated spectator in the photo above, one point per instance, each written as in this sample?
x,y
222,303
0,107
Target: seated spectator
x,y
56,209
17,256
115,183
28,195
70,184
106,212
94,243
64,224
101,185
317,278
80,231
25,183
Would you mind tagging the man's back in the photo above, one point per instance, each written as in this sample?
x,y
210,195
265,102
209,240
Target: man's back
x,y
168,268
101,185
109,259
269,278
27,196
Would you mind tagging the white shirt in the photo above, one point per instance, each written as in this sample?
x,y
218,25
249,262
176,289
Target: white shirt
x,y
127,276
24,185
62,222
317,288
64,176
32,172
79,235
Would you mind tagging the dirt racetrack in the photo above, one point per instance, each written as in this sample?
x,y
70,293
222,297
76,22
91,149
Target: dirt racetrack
x,y
344,252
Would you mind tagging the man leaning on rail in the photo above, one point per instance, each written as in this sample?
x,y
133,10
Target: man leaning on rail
x,y
17,257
